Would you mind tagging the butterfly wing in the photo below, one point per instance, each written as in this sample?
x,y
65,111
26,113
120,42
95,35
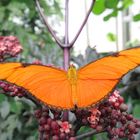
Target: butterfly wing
x,y
97,79
48,84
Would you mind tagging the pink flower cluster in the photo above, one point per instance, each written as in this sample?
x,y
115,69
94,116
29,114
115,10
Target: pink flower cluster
x,y
53,128
9,46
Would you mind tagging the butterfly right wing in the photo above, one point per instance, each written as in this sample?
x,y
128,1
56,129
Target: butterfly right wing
x,y
97,79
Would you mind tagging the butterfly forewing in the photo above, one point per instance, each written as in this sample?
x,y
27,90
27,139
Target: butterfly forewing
x,y
48,84
98,79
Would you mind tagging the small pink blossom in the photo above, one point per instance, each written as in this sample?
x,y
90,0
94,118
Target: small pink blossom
x,y
95,115
116,93
114,97
65,126
2,48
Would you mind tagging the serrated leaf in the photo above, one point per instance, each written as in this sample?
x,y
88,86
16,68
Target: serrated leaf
x,y
136,111
5,109
136,17
99,7
111,3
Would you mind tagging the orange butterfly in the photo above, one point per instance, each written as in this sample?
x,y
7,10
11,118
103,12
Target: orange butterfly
x,y
82,88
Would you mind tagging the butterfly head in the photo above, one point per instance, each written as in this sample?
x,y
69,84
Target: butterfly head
x,y
72,66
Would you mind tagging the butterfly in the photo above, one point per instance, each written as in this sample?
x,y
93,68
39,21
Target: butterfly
x,y
80,88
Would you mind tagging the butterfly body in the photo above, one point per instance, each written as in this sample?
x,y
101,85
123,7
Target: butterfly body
x,y
82,88
72,77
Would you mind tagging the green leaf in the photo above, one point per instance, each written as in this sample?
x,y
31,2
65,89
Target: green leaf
x,y
5,109
99,7
111,3
136,111
136,17
16,107
2,97
127,3
13,8
13,122
111,37
113,14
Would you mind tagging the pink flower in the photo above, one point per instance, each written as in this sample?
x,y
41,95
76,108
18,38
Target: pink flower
x,y
95,115
116,93
65,126
2,48
114,97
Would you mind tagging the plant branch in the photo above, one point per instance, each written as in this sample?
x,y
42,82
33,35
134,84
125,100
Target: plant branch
x,y
68,45
88,134
47,24
83,24
66,50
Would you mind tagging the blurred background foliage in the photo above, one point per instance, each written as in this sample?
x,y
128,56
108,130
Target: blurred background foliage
x,y
20,18
115,6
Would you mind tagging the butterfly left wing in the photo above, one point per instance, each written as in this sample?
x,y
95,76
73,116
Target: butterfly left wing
x,y
48,84
97,79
